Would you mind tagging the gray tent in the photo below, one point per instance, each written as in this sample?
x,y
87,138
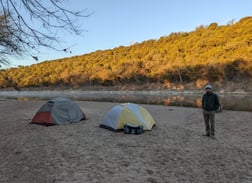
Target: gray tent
x,y
58,111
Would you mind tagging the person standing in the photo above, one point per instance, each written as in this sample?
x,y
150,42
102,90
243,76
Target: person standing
x,y
210,104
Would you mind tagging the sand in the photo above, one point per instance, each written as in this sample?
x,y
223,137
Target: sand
x,y
174,151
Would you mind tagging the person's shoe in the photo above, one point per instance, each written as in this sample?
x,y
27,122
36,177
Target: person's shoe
x,y
207,134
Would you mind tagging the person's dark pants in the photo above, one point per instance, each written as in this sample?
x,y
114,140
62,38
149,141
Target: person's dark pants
x,y
209,118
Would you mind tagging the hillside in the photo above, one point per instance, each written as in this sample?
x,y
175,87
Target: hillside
x,y
213,53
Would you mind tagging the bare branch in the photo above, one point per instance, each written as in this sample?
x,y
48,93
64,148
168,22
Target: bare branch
x,y
29,25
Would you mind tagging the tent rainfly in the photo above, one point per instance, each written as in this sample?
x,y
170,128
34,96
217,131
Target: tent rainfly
x,y
58,111
128,113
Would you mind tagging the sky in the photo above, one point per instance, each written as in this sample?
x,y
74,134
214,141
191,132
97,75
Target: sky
x,y
115,23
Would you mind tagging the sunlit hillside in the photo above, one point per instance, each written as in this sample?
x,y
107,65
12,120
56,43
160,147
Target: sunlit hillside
x,y
210,53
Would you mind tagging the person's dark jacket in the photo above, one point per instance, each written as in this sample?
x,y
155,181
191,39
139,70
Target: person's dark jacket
x,y
210,102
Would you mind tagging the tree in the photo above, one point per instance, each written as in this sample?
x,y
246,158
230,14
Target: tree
x,y
28,25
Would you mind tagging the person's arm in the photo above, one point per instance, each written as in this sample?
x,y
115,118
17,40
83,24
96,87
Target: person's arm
x,y
217,101
202,102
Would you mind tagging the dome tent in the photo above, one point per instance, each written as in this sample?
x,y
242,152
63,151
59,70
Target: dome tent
x,y
58,111
128,113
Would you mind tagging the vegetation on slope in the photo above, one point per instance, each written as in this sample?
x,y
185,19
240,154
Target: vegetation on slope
x,y
208,54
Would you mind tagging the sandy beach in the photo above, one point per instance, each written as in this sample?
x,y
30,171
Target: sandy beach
x,y
173,152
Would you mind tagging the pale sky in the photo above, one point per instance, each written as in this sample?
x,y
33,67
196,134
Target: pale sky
x,y
115,23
